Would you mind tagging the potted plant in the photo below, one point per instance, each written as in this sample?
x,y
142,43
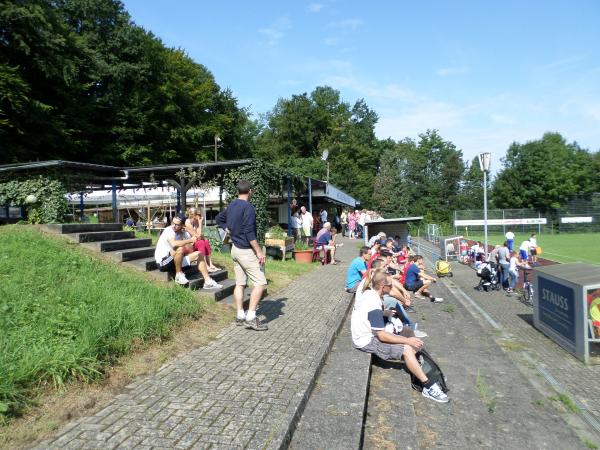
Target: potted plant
x,y
303,252
277,237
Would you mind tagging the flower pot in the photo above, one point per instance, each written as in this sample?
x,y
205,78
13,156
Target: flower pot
x,y
303,256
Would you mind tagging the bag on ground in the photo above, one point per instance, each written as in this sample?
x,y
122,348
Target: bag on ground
x,y
431,369
442,268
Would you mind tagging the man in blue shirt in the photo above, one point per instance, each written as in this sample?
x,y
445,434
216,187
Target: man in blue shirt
x,y
325,240
357,269
417,281
239,220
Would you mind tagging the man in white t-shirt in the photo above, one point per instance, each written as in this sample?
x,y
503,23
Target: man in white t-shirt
x,y
510,239
173,253
369,335
524,249
307,223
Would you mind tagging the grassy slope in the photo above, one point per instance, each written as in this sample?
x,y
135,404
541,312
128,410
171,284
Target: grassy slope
x,y
583,247
65,314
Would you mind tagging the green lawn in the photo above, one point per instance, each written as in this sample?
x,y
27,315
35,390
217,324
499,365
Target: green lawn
x,y
65,314
565,248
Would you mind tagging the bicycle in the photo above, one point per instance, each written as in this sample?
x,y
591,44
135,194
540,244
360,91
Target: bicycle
x,y
527,288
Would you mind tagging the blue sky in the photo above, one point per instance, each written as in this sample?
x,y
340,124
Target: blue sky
x,y
483,73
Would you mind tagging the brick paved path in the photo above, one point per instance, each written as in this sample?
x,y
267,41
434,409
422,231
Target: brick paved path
x,y
516,319
244,390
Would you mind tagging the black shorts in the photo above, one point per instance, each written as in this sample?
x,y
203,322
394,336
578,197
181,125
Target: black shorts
x,y
533,251
414,287
167,264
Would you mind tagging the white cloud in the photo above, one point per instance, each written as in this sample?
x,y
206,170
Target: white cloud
x,y
446,71
315,7
351,24
277,31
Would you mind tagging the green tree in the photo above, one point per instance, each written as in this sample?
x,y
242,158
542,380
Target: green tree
x,y
471,191
544,174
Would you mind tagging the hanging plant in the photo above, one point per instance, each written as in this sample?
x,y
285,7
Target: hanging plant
x,y
43,196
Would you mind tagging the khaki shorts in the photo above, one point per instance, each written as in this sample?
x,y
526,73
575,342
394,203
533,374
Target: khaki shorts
x,y
245,265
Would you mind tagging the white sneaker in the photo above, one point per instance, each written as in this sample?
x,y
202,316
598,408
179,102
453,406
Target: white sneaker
x,y
211,284
180,278
435,394
437,300
420,334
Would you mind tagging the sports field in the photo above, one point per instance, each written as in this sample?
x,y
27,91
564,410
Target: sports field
x,y
565,248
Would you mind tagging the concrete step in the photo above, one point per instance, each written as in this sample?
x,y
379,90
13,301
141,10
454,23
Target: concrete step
x,y
97,236
146,264
335,412
66,228
119,244
135,254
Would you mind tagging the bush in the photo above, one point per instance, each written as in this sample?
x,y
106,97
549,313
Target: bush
x,y
50,204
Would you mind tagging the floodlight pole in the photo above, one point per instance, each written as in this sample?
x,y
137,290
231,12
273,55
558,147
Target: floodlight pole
x,y
484,164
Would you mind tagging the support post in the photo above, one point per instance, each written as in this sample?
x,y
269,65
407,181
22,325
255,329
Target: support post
x,y
310,195
289,208
115,210
81,206
485,220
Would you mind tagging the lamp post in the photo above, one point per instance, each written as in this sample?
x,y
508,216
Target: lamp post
x,y
217,145
324,157
484,165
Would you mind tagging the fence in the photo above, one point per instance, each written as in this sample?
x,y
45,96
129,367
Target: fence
x,y
470,221
580,215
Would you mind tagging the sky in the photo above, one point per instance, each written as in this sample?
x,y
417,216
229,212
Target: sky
x,y
483,73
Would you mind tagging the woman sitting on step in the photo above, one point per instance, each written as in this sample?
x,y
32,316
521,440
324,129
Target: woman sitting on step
x,y
193,225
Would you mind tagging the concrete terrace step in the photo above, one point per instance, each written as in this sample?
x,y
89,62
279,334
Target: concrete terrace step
x,y
335,412
120,244
145,264
66,228
97,236
134,255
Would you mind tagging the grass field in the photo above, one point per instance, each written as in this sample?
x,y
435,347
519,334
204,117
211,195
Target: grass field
x,y
565,248
66,314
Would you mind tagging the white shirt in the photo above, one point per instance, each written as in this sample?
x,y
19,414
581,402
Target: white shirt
x,y
362,332
361,219
525,245
307,221
510,236
296,221
513,265
163,247
532,242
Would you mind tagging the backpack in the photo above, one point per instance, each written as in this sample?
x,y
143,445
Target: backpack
x,y
431,369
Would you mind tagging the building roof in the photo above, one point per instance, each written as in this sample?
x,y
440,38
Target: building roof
x,y
398,220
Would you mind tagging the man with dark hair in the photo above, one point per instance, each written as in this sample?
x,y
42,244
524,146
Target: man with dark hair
x,y
357,269
173,252
239,220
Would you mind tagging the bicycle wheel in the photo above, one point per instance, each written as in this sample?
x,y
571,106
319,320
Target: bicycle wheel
x,y
527,292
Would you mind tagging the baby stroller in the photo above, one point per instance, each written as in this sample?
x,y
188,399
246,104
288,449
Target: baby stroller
x,y
442,268
488,277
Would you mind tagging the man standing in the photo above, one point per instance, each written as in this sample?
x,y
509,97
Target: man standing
x,y
510,239
297,225
307,223
239,220
323,216
173,252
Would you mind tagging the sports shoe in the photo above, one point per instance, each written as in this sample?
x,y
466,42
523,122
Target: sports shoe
x,y
437,300
180,278
420,334
256,324
211,284
435,394
240,322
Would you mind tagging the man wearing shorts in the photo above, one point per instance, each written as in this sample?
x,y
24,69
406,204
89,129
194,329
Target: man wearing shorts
x,y
173,253
369,335
239,220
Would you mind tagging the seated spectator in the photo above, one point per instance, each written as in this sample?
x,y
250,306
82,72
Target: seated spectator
x,y
417,281
369,335
173,253
325,240
376,238
357,269
193,226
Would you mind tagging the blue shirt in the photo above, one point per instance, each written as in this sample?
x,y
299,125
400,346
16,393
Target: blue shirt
x,y
412,274
357,266
240,219
324,238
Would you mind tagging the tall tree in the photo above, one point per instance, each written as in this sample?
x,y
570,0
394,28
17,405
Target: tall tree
x,y
544,174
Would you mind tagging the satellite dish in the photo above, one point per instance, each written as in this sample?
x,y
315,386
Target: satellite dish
x,y
325,155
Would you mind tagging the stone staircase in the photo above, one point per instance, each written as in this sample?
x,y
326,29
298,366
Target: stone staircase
x,y
123,247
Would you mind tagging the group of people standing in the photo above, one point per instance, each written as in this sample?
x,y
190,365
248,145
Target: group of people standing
x,y
353,222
